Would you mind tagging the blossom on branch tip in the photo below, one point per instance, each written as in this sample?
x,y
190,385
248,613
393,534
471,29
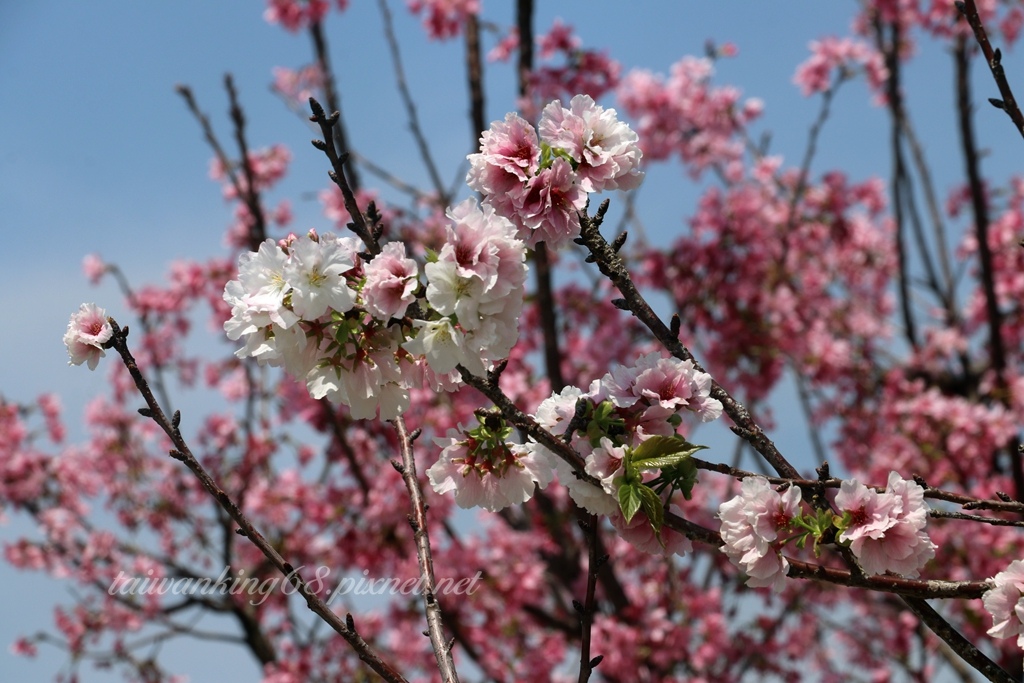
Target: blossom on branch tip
x,y
541,183
88,330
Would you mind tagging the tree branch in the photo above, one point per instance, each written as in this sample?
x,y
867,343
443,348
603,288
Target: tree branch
x,y
182,453
418,521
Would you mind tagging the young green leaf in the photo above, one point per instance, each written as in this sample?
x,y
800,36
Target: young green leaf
x,y
663,451
630,499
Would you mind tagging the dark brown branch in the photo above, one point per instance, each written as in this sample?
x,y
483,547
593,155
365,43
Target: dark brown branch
x,y
897,184
328,125
182,452
541,259
475,78
979,206
258,228
590,530
331,96
613,267
957,642
994,58
418,520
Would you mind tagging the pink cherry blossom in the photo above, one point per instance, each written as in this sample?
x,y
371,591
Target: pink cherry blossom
x,y
94,268
844,54
886,530
1005,602
753,524
606,148
491,478
443,19
88,330
391,279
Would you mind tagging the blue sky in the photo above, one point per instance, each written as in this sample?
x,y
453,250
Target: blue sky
x,y
98,154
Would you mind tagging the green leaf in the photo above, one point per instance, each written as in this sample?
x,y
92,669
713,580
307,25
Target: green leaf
x,y
663,451
630,499
653,507
683,476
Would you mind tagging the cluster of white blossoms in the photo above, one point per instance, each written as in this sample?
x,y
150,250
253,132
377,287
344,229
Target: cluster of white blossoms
x,y
310,305
476,287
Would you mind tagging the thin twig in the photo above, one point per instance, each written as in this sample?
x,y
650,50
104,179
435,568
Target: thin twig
x,y
613,267
182,452
418,520
963,647
328,124
410,107
994,58
332,97
258,228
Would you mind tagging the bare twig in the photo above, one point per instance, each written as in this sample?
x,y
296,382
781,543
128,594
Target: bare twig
x,y
181,452
331,96
410,107
258,229
418,520
337,173
994,58
246,193
957,642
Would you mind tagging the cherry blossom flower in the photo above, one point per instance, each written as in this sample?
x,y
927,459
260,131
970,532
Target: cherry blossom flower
x,y
94,268
752,525
1005,602
442,345
88,330
391,279
607,149
886,530
815,74
486,472
315,272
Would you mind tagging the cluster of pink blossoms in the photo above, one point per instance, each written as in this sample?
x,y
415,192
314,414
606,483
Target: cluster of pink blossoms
x,y
484,470
752,527
844,54
309,304
476,286
541,181
621,411
884,530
